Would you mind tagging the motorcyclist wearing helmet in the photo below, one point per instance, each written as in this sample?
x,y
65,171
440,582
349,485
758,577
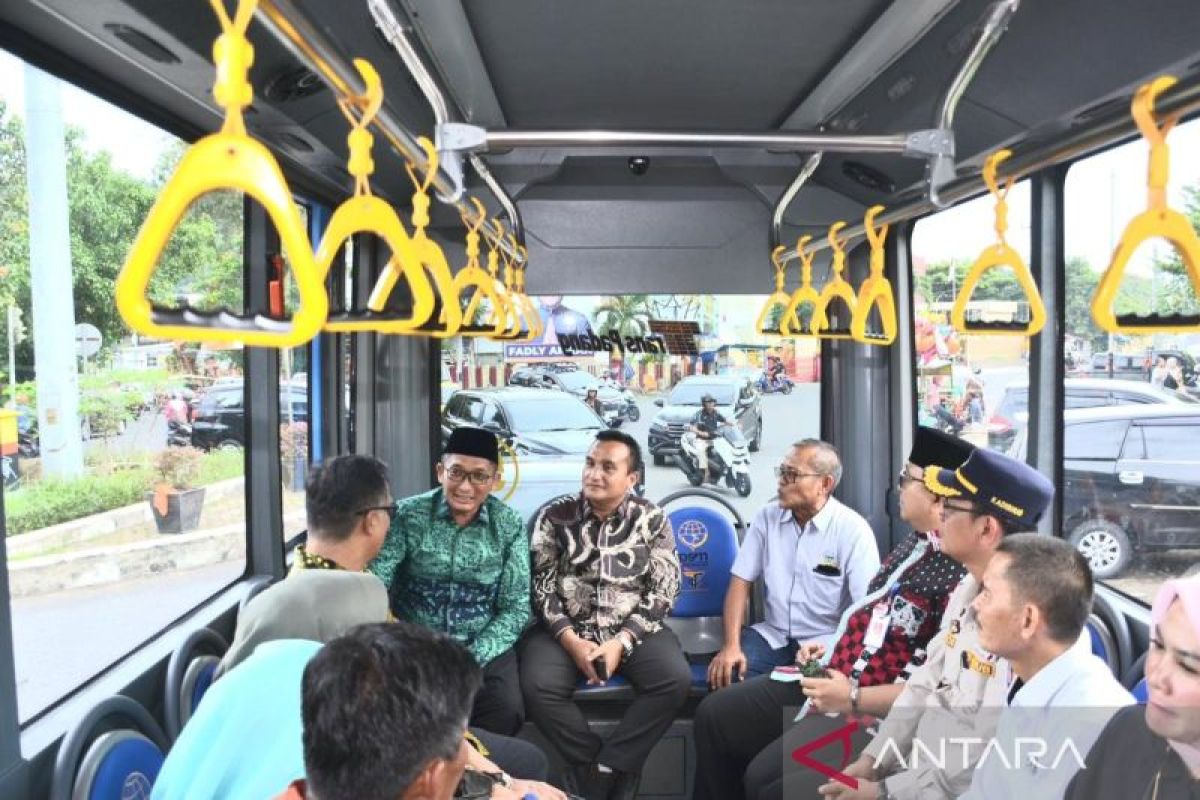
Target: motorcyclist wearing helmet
x,y
705,424
593,401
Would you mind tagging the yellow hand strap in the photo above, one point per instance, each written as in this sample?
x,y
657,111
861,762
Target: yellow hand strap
x,y
506,449
508,314
533,319
836,289
806,295
229,159
366,213
1156,221
995,256
778,299
429,257
473,279
876,290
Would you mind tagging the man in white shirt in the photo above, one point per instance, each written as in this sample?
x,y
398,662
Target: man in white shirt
x,y
815,556
1035,597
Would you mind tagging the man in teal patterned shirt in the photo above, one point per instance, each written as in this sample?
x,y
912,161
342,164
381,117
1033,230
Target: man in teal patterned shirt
x,y
456,560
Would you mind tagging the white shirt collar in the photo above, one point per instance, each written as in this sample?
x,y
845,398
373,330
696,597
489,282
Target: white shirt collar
x,y
1042,688
820,521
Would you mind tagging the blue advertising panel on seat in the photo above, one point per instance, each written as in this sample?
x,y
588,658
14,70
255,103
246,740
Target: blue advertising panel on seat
x,y
707,543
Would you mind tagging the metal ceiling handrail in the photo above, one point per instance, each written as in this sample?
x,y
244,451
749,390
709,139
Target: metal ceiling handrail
x,y
313,49
785,199
398,36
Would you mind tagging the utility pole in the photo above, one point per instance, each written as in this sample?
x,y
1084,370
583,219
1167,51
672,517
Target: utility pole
x,y
50,278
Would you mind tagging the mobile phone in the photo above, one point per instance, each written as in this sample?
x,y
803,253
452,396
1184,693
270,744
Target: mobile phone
x,y
601,668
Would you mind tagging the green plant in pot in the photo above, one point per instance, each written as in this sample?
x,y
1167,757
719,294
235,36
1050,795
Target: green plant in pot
x,y
176,501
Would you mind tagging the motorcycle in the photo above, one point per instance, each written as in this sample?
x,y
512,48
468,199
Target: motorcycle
x,y
179,434
780,384
728,459
632,412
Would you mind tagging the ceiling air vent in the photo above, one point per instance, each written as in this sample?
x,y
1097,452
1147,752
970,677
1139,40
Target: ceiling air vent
x,y
142,43
869,177
293,142
901,87
293,84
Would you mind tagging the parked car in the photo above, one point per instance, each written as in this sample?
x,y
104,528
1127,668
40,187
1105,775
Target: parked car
x,y
1013,412
736,399
576,382
533,421
550,432
219,416
1131,481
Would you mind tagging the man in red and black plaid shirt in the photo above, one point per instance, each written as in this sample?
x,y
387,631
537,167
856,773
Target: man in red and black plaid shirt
x,y
881,639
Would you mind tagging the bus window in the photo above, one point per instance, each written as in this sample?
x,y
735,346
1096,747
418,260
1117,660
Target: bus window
x,y
972,385
1134,515
124,504
532,393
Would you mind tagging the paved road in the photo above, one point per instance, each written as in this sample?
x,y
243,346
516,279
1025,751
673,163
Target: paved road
x,y
786,419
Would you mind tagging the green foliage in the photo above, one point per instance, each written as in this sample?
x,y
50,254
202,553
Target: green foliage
x,y
54,501
1170,289
178,466
107,206
220,465
1081,286
940,285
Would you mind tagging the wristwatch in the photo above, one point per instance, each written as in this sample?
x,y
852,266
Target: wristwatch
x,y
627,643
854,695
478,785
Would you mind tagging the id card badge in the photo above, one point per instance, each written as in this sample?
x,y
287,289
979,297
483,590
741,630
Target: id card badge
x,y
877,628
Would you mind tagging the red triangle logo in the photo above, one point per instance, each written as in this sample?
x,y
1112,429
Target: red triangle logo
x,y
800,754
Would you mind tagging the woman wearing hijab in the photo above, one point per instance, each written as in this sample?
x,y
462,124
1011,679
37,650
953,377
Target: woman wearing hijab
x,y
1152,752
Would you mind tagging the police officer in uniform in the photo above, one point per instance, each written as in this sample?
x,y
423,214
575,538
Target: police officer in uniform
x,y
958,694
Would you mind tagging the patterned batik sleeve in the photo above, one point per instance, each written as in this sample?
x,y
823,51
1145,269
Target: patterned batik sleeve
x,y
546,601
662,584
394,550
512,602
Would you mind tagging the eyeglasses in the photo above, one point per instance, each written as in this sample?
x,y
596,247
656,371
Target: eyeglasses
x,y
390,509
477,478
948,508
904,479
789,475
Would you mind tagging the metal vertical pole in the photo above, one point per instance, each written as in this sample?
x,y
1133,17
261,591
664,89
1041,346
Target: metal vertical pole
x,y
50,278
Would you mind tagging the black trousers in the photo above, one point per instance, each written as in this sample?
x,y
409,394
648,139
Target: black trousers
x,y
517,757
498,706
658,672
744,738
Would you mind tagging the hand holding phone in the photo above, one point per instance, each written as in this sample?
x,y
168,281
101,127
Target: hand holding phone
x,y
601,667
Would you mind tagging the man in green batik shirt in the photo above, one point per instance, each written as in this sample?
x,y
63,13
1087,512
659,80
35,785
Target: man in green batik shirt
x,y
456,560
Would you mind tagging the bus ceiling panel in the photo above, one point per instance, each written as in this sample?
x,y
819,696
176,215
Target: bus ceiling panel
x,y
683,64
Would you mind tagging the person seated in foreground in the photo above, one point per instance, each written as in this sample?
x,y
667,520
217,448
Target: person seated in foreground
x,y
736,729
1152,752
1035,598
605,574
325,595
385,708
816,557
456,559
961,688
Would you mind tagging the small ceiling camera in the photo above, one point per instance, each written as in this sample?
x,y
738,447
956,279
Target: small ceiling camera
x,y
639,165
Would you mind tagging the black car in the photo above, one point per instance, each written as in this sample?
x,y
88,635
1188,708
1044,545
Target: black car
x,y
534,421
1131,481
219,417
736,400
576,382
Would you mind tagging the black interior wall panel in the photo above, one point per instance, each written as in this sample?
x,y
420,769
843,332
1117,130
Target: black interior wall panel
x,y
856,406
402,387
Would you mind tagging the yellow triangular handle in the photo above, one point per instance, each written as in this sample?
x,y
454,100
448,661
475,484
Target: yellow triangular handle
x,y
1157,221
428,256
507,451
778,299
478,283
226,160
836,289
876,290
804,294
997,256
533,319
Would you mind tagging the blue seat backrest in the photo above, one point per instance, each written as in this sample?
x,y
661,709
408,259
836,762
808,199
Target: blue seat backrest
x,y
707,544
1140,692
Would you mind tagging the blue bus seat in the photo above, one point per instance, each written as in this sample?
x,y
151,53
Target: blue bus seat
x,y
189,674
102,762
1103,645
1140,692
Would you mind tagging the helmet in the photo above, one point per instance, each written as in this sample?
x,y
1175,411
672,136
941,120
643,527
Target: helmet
x,y
708,398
